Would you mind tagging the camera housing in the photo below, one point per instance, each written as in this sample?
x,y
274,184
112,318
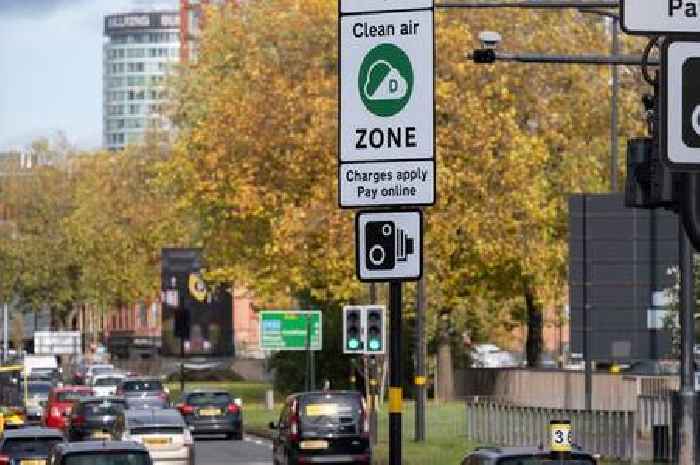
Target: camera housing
x,y
490,39
387,244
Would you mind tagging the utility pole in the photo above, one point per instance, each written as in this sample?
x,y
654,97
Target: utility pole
x,y
420,382
615,51
687,322
395,375
5,346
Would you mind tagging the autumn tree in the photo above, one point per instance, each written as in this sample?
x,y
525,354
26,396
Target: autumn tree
x,y
256,157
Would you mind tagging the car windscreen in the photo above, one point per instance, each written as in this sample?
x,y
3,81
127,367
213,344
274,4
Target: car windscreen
x,y
102,370
103,408
145,404
543,461
330,413
107,381
157,430
107,458
68,396
209,398
38,389
33,446
142,386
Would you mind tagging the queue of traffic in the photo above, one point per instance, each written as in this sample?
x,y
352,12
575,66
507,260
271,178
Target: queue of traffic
x,y
106,417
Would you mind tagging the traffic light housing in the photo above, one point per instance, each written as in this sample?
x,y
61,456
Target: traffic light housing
x,y
375,330
352,331
649,182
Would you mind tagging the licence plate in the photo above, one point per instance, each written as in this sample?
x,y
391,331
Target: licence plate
x,y
99,435
313,445
156,441
33,462
210,412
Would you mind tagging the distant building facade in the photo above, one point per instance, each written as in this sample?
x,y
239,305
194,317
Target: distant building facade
x,y
139,51
191,22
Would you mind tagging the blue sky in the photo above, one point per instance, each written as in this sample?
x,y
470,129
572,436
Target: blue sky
x,y
51,68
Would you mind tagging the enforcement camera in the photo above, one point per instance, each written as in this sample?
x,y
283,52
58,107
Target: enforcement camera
x,y
490,39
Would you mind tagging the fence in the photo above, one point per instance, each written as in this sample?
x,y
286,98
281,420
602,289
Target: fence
x,y
654,428
608,433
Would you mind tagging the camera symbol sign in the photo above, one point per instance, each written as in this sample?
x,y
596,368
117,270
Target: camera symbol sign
x,y
389,245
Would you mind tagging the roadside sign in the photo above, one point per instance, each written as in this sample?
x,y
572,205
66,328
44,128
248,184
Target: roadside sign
x,y
679,127
386,110
389,245
288,329
652,17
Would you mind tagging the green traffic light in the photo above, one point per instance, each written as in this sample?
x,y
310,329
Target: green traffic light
x,y
353,344
374,344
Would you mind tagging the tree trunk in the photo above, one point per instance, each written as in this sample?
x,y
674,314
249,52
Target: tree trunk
x,y
446,381
533,345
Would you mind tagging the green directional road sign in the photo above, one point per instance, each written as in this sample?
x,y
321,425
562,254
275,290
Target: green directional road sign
x,y
288,329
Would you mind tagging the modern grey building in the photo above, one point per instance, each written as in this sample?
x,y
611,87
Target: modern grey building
x,y
140,49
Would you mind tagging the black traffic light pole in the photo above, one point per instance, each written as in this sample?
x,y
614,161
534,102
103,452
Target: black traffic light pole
x,y
395,391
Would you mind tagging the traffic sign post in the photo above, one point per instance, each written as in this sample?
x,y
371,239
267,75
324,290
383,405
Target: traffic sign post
x,y
654,17
386,152
679,128
387,98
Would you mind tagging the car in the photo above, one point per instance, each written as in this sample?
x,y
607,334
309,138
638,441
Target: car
x,y
212,412
143,392
93,417
28,446
97,369
524,456
106,384
162,431
99,452
37,398
60,404
322,427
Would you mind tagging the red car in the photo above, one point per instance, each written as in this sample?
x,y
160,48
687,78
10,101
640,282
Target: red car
x,y
60,404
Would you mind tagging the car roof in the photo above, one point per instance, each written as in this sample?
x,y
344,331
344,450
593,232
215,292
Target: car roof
x,y
325,393
498,452
91,399
206,391
32,432
142,378
111,375
154,417
98,446
72,388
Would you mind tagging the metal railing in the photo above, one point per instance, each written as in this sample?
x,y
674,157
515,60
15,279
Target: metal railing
x,y
608,433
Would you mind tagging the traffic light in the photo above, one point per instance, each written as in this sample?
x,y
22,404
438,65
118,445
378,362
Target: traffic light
x,y
352,331
375,330
649,183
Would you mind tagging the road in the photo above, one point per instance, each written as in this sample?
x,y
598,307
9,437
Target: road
x,y
216,451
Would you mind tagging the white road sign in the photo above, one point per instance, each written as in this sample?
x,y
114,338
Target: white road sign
x,y
387,95
389,245
365,6
679,128
650,17
404,183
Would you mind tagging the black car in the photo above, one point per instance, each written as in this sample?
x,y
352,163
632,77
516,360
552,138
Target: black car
x,y
100,452
93,417
322,427
29,446
524,456
212,412
143,393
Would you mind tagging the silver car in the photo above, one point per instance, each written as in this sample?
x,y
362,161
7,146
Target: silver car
x,y
162,431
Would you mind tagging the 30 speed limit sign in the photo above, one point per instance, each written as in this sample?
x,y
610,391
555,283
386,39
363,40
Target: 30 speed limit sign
x,y
561,436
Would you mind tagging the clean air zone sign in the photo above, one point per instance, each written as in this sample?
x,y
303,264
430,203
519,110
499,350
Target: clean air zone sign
x,y
386,130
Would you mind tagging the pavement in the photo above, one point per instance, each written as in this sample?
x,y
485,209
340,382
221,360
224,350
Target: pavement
x,y
213,450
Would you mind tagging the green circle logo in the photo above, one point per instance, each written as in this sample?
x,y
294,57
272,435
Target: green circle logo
x,y
386,80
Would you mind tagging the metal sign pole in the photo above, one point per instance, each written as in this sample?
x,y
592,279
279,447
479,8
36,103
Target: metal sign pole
x,y
395,391
687,322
